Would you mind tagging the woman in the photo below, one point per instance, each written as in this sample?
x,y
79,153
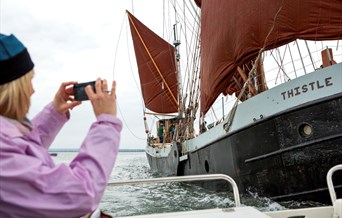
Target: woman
x,y
31,185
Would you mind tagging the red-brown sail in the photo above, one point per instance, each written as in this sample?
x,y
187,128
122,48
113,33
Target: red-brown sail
x,y
233,31
157,68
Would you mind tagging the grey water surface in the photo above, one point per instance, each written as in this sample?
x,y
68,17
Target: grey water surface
x,y
169,197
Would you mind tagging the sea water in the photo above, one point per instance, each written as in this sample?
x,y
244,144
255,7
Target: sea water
x,y
165,197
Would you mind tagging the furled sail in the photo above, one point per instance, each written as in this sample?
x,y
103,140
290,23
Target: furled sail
x,y
157,68
233,32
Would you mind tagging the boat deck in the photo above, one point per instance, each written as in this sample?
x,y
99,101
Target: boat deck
x,y
237,212
160,145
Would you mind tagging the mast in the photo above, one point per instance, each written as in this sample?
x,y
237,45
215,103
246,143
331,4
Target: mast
x,y
176,43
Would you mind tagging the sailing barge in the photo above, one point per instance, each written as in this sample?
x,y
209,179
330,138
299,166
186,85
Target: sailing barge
x,y
278,141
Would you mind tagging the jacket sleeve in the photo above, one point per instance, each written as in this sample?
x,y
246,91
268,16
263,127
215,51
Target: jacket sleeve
x,y
98,152
47,124
31,187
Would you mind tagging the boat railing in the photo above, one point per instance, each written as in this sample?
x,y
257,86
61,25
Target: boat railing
x,y
184,179
330,183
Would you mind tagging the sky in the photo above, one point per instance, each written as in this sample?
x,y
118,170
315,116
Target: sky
x,y
82,40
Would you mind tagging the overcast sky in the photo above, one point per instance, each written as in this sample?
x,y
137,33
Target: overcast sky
x,y
81,40
77,41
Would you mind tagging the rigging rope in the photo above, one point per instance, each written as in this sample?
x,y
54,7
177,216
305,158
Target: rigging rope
x,y
154,63
117,46
130,64
232,113
122,115
147,129
123,119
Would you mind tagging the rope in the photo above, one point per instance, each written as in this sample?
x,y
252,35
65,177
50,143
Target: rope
x,y
154,63
117,46
122,116
232,113
135,80
123,119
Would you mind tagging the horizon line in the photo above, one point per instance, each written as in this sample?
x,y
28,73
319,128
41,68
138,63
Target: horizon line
x,y
77,149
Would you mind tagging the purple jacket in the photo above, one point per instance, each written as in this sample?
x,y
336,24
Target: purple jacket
x,y
31,185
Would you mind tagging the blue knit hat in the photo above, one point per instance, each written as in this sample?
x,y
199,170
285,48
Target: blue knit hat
x,y
15,60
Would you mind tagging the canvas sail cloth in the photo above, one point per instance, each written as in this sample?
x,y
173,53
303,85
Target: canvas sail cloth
x,y
233,31
157,68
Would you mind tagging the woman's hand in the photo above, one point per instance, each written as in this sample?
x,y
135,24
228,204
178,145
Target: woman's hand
x,y
64,100
103,102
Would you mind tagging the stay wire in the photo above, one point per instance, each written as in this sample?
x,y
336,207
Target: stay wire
x,y
132,72
123,119
135,80
118,106
117,45
233,110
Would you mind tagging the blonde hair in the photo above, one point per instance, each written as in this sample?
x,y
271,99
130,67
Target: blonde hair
x,y
15,97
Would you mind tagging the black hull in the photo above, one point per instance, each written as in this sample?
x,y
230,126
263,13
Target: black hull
x,y
273,158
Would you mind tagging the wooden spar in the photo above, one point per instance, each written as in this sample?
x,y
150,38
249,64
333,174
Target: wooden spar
x,y
154,63
158,114
327,57
261,77
244,77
